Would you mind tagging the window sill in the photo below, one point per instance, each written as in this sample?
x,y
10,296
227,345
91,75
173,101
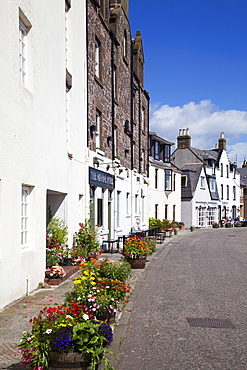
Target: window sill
x,y
125,61
98,80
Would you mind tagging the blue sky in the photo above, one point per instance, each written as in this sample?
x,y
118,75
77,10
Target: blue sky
x,y
196,69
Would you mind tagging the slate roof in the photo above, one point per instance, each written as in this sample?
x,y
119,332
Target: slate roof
x,y
192,171
243,175
165,165
205,154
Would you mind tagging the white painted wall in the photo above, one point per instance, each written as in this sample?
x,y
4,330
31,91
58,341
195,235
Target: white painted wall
x,y
162,198
230,181
35,136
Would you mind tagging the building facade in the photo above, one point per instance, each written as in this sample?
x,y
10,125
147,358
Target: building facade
x,y
118,111
43,145
164,181
221,179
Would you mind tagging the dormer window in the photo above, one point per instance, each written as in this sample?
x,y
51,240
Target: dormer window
x,y
156,150
183,181
167,153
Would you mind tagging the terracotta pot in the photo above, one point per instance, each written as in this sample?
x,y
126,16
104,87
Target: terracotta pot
x,y
68,361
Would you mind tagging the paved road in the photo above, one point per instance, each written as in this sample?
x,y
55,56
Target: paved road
x,y
200,275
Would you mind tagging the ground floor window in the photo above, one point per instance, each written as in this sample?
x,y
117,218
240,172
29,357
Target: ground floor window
x,y
211,215
25,192
156,206
202,216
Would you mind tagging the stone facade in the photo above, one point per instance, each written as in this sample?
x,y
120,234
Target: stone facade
x,y
118,115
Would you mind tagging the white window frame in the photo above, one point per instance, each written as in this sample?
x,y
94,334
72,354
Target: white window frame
x,y
23,52
202,182
97,58
201,216
168,180
127,203
98,123
136,204
118,208
24,28
212,184
25,215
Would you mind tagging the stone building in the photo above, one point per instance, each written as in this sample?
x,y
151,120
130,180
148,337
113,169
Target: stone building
x,y
243,198
118,111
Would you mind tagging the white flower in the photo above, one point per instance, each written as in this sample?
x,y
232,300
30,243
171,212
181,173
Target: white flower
x,y
48,331
85,316
69,317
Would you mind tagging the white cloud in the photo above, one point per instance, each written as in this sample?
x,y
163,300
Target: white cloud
x,y
205,122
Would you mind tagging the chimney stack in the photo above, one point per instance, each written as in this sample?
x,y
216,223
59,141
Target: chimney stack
x,y
244,165
222,142
184,139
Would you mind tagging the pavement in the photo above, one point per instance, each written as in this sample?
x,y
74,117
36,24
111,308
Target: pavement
x,y
14,319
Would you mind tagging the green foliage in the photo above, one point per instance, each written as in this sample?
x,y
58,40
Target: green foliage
x,y
136,247
166,224
86,241
119,270
56,232
154,222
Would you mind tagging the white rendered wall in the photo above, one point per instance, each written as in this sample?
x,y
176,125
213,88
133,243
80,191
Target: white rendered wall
x,y
35,137
162,198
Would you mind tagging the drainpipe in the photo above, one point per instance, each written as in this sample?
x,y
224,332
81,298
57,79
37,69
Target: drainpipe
x,y
112,93
132,128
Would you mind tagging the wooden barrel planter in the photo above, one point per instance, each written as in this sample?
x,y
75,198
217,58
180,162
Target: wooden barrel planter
x,y
68,361
108,318
137,263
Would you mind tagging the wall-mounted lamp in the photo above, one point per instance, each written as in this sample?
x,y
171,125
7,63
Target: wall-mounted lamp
x,y
93,128
109,139
96,161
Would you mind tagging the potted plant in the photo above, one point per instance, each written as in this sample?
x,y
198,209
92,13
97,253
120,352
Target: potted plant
x,y
215,225
54,272
86,243
56,237
65,334
136,250
119,270
181,225
99,295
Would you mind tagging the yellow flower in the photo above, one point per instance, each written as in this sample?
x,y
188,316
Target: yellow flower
x,y
86,272
93,283
77,281
84,278
92,278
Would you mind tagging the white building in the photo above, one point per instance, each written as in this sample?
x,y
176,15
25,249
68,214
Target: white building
x,y
165,181
221,179
43,142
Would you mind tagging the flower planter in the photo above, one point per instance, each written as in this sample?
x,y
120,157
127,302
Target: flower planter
x,y
137,263
108,318
70,270
68,361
